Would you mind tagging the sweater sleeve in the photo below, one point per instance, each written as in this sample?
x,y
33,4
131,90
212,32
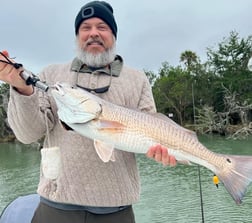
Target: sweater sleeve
x,y
28,116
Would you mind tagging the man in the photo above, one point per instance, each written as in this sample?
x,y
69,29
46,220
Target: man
x,y
83,188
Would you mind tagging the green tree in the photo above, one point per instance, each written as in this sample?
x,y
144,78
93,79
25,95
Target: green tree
x,y
172,92
202,79
5,132
151,76
229,63
190,59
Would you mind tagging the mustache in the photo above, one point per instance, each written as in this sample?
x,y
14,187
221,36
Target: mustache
x,y
94,40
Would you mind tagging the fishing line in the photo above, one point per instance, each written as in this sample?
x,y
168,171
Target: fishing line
x,y
200,187
201,196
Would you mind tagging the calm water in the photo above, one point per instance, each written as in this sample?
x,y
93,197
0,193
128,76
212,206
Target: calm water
x,y
168,194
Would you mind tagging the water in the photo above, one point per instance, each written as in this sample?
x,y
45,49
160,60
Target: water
x,y
19,170
168,194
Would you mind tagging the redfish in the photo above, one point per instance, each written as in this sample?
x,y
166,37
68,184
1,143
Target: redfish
x,y
116,127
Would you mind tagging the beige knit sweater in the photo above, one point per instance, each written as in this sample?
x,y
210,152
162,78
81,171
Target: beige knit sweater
x,y
83,178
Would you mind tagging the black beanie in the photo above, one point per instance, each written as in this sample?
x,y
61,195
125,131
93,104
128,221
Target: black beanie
x,y
99,9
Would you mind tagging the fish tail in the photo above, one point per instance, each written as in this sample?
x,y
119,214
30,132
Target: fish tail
x,y
237,177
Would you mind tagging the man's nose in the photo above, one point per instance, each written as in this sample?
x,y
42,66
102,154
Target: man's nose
x,y
94,32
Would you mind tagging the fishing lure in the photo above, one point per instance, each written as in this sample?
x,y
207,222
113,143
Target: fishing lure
x,y
216,181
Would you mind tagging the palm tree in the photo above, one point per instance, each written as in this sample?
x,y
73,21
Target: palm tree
x,y
189,58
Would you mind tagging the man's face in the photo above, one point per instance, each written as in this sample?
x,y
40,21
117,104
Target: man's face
x,y
95,36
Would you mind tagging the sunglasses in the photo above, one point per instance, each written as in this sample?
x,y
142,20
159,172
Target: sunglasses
x,y
100,90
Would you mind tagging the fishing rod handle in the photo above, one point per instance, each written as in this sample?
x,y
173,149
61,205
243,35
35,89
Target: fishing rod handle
x,y
31,79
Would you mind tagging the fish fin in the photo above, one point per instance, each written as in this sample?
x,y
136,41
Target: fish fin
x,y
238,177
77,118
184,162
104,150
180,158
106,125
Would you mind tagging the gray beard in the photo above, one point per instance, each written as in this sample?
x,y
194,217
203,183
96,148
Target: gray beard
x,y
96,60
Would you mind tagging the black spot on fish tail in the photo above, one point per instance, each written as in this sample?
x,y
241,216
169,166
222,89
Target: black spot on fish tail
x,y
228,160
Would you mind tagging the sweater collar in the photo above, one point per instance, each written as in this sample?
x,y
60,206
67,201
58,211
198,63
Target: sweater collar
x,y
116,67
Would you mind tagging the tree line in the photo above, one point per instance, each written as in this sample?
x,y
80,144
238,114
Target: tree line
x,y
214,96
210,97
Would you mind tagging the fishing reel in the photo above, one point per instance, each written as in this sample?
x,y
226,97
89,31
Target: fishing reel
x,y
28,76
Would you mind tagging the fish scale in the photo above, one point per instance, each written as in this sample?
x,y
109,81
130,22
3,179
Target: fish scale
x,y
143,124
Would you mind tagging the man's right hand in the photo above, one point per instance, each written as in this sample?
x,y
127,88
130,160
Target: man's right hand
x,y
9,74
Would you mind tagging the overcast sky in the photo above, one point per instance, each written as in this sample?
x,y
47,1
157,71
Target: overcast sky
x,y
39,33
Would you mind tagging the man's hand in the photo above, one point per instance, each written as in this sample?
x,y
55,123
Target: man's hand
x,y
10,75
161,155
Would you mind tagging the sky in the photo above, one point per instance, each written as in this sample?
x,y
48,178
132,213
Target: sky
x,y
39,33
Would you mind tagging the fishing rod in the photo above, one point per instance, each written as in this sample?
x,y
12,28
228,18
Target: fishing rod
x,y
28,76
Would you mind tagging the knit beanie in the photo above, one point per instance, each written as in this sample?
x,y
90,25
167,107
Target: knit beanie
x,y
99,9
